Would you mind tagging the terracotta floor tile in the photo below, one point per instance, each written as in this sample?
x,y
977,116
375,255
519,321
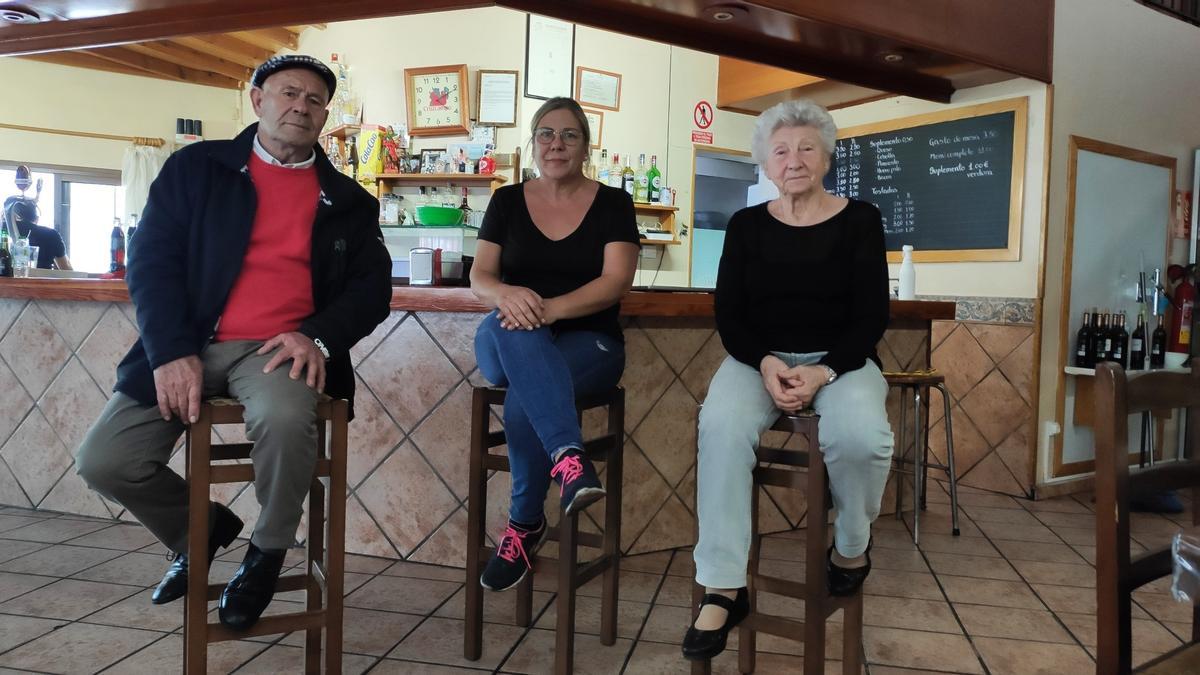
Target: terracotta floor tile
x,y
67,599
13,585
1038,552
440,641
401,594
945,543
898,559
635,586
981,567
1017,624
1076,520
1160,605
166,656
990,501
366,564
15,630
394,667
11,521
413,570
921,585
1035,532
630,617
1148,635
120,537
1077,535
926,615
135,569
535,655
1070,599
59,560
1056,505
78,647
682,564
654,563
917,649
1019,657
137,611
1056,573
12,548
56,530
284,659
655,658
1013,516
991,592
497,607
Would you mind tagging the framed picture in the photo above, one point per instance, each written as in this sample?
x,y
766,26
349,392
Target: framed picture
x,y
549,56
595,120
429,159
438,100
598,88
496,94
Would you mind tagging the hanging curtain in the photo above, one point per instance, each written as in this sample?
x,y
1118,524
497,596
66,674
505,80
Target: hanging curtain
x,y
138,170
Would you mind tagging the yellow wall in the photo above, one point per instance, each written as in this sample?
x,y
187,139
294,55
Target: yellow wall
x,y
1123,74
87,100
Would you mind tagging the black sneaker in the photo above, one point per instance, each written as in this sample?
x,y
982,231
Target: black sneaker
x,y
579,486
510,563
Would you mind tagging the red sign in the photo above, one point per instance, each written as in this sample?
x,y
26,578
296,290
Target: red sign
x,y
703,114
702,137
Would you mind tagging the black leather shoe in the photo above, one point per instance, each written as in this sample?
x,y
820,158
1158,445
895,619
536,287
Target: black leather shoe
x,y
251,589
173,586
699,645
846,580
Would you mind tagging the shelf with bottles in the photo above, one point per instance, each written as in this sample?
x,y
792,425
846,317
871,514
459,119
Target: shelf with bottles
x,y
491,181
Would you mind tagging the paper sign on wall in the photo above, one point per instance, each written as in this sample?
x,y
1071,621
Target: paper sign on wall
x,y
705,137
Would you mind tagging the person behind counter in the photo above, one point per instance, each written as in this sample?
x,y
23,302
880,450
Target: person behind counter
x,y
801,301
21,217
256,268
554,256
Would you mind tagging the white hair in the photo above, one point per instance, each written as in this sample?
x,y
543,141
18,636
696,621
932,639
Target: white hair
x,y
798,113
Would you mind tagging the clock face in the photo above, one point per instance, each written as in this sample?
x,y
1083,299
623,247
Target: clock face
x,y
437,100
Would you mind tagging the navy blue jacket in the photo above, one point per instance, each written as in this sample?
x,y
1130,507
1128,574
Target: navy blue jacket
x,y
191,242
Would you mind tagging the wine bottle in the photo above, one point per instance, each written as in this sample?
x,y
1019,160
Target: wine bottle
x,y
1101,342
1120,341
641,181
654,177
1137,344
1158,346
1083,342
6,268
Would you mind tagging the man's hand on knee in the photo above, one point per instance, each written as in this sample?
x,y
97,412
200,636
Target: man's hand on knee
x,y
305,357
178,385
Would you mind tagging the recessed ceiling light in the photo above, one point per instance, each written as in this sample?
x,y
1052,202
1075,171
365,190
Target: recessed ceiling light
x,y
18,14
725,13
892,57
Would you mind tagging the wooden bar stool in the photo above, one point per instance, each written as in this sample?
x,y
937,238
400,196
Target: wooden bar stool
x,y
324,565
781,468
918,383
571,575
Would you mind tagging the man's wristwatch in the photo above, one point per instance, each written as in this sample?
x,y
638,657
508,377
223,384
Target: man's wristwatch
x,y
325,350
831,371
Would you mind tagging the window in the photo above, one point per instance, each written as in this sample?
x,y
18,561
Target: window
x,y
81,204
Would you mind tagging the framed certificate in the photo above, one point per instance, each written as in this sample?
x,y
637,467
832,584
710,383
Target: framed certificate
x,y
549,57
598,88
496,91
438,104
595,120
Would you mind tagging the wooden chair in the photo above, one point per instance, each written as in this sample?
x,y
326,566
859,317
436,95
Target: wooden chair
x,y
915,386
781,468
322,577
1118,573
570,574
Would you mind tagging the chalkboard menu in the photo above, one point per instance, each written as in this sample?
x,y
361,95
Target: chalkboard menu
x,y
949,183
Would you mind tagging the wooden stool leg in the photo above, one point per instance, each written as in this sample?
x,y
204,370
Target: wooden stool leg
x,y
335,549
612,522
195,623
950,459
524,609
476,519
903,427
852,616
316,553
564,634
815,576
746,636
918,464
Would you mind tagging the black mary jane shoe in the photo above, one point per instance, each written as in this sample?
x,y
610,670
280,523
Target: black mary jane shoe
x,y
699,645
845,581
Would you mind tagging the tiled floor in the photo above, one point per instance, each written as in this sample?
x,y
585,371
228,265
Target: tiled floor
x,y
1013,594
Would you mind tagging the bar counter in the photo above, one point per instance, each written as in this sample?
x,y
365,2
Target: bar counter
x,y
62,338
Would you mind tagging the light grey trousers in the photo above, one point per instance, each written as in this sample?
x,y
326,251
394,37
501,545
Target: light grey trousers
x,y
124,455
855,437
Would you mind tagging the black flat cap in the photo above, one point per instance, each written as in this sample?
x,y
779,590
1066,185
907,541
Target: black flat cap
x,y
287,62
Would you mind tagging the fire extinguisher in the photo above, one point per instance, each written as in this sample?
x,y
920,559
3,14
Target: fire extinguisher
x,y
1183,302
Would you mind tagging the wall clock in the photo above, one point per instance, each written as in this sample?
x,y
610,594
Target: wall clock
x,y
438,100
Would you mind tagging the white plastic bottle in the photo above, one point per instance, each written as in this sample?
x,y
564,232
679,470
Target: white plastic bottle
x,y
908,275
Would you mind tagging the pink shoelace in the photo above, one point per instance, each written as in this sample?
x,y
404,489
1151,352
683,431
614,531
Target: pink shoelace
x,y
568,469
512,545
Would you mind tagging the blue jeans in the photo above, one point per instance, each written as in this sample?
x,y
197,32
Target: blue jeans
x,y
543,372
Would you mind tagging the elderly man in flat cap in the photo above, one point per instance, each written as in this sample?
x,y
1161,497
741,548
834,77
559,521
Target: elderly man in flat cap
x,y
256,268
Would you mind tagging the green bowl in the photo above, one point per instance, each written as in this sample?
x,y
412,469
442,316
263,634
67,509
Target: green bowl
x,y
439,215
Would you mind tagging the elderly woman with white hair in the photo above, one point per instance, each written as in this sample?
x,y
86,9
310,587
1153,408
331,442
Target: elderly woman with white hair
x,y
801,301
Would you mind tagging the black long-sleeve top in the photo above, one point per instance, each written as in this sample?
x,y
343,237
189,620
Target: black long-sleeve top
x,y
804,289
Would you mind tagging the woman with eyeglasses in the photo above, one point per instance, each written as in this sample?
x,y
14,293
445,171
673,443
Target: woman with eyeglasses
x,y
554,256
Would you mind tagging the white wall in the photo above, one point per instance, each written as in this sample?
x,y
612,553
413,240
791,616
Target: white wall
x,y
77,99
1123,74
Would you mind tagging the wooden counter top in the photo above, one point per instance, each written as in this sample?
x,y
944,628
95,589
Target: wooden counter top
x,y
453,299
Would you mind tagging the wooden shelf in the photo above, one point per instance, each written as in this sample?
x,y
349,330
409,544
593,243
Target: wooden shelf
x,y
478,179
342,131
665,215
660,242
653,208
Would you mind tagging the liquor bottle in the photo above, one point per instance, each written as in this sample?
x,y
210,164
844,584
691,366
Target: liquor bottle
x,y
1101,342
1120,341
641,181
654,177
614,172
1158,346
602,168
352,159
6,268
464,205
130,230
628,178
116,248
1137,344
1083,343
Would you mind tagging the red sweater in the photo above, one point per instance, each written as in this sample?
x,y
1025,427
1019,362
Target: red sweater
x,y
273,293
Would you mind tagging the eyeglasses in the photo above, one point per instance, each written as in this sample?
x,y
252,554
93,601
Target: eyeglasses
x,y
545,136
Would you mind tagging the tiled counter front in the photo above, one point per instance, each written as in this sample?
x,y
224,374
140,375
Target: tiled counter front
x,y
408,463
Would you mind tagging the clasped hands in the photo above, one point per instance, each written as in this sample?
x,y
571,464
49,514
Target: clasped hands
x,y
179,382
792,389
520,308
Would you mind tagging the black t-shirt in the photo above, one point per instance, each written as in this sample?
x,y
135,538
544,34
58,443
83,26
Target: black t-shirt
x,y
49,243
804,289
553,268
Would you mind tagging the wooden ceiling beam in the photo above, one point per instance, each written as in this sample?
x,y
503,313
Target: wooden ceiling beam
x,y
82,60
191,58
273,39
228,48
160,67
